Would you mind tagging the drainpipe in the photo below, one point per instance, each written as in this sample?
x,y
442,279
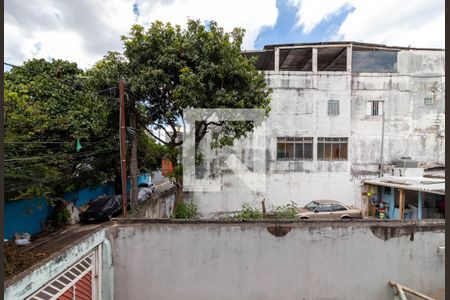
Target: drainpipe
x,y
420,206
382,142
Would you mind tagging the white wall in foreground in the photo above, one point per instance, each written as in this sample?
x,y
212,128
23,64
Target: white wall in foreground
x,y
245,261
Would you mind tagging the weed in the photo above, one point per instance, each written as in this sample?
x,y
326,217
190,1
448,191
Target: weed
x,y
186,211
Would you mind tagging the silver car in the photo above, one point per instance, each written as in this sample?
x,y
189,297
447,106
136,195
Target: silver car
x,y
328,209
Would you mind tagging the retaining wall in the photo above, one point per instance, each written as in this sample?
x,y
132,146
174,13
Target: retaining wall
x,y
315,260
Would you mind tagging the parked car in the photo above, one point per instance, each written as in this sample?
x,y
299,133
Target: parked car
x,y
102,208
328,209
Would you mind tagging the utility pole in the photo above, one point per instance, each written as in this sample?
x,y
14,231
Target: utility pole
x,y
134,172
123,161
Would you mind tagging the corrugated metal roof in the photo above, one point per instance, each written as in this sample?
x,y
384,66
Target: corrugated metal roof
x,y
421,184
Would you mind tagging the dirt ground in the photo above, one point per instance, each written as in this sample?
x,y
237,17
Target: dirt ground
x,y
20,258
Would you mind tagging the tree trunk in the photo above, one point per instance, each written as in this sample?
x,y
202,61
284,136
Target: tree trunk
x,y
117,178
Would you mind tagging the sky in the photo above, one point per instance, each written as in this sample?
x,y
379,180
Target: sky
x,y
83,31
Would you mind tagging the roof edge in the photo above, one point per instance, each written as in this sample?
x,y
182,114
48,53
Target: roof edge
x,y
272,46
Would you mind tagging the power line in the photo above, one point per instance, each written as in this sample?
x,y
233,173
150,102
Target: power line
x,y
61,154
59,160
31,183
18,186
54,142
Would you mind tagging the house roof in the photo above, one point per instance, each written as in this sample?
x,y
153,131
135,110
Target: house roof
x,y
353,43
420,184
331,55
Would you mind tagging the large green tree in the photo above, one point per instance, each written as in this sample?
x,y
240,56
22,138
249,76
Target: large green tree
x,y
50,107
170,69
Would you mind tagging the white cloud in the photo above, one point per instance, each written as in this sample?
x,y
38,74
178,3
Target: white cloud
x,y
311,12
394,22
84,30
249,14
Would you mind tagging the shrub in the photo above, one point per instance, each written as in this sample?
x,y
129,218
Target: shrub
x,y
63,217
185,211
248,213
288,211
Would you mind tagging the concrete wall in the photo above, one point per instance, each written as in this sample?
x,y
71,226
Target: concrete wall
x,y
311,260
157,207
299,108
315,260
30,281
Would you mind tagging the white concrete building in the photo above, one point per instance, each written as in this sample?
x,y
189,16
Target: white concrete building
x,y
325,127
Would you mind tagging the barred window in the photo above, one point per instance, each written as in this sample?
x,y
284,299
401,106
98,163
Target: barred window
x,y
333,107
294,148
332,148
374,108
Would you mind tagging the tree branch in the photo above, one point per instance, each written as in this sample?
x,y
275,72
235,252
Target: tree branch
x,y
162,127
151,133
175,133
215,123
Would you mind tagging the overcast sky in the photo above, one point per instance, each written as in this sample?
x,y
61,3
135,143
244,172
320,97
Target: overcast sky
x,y
84,30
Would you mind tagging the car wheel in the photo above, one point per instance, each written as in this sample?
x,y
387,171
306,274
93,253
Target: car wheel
x,y
304,218
346,218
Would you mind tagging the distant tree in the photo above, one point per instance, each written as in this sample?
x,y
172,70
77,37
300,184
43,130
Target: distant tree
x,y
52,108
169,69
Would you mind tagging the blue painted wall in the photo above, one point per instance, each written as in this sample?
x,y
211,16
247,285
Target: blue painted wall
x,y
25,216
28,214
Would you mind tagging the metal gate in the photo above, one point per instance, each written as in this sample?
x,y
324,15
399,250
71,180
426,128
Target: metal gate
x,y
78,282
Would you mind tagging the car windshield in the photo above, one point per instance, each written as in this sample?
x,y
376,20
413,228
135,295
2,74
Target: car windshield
x,y
311,205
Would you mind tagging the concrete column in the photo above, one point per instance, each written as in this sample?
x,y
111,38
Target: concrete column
x,y
277,59
420,206
314,60
349,58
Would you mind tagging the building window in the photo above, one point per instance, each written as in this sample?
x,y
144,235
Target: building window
x,y
294,148
374,108
372,60
333,107
332,148
428,101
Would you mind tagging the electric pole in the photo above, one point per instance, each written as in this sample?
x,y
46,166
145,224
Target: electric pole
x,y
123,161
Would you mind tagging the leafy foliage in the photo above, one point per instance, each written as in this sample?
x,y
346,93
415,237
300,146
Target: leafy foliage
x,y
63,217
46,112
185,211
197,67
166,69
248,213
287,211
169,69
49,106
